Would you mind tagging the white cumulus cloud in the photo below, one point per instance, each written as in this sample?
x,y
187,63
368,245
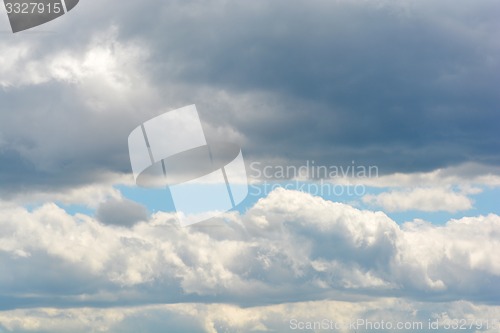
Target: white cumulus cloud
x,y
420,199
290,246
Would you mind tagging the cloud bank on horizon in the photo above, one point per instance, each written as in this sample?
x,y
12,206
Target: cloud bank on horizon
x,y
290,248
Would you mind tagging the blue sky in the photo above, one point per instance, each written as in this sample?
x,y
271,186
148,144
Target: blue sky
x,y
410,87
483,203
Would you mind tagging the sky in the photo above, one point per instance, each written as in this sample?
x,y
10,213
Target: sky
x,y
409,88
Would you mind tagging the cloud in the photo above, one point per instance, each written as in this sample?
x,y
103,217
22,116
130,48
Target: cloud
x,y
420,199
339,83
90,195
407,86
77,140
463,175
102,60
212,318
380,83
121,212
289,247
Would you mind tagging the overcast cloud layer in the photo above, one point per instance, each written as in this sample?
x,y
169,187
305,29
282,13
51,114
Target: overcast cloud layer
x,y
405,85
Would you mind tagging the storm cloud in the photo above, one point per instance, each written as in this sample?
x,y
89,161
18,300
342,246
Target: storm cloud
x,y
406,86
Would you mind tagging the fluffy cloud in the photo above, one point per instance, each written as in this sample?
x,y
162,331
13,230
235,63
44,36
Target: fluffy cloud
x,y
102,60
49,147
121,212
288,317
421,199
289,247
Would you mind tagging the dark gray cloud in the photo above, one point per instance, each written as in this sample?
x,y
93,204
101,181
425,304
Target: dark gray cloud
x,y
409,93
409,86
121,212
